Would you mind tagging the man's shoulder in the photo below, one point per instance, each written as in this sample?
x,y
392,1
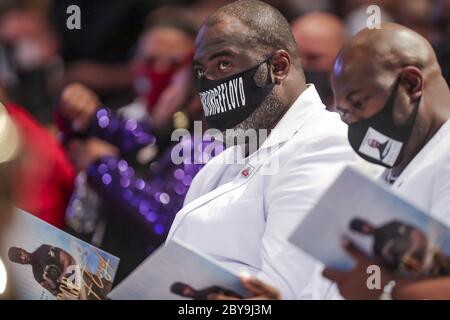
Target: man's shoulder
x,y
322,129
436,159
429,171
325,124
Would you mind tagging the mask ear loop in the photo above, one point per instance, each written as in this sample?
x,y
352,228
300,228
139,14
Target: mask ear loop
x,y
394,90
390,102
412,116
268,61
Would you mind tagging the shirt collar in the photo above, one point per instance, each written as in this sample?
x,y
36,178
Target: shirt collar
x,y
295,117
291,122
443,132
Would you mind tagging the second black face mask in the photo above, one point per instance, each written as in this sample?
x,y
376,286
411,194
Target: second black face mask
x,y
378,139
227,102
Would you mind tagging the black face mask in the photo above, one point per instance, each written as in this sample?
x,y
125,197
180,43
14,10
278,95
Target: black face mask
x,y
378,139
229,101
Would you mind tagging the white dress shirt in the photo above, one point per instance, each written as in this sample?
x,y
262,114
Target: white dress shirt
x,y
242,214
425,182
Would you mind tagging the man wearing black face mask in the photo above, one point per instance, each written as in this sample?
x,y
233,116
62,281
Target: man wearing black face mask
x,y
397,103
398,98
250,78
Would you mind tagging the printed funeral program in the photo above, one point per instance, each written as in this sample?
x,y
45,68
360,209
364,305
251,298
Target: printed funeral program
x,y
43,262
390,229
177,272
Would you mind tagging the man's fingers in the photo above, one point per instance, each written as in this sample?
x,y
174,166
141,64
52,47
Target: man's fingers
x,y
253,285
218,296
79,103
259,288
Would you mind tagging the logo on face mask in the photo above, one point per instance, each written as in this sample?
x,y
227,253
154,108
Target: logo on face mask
x,y
227,102
378,139
380,147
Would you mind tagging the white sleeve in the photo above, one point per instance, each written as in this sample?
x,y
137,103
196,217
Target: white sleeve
x,y
294,190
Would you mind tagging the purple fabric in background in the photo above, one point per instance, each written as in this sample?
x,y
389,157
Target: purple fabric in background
x,y
153,201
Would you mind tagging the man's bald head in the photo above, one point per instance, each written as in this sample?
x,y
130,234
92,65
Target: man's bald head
x,y
384,51
373,59
265,28
320,36
397,62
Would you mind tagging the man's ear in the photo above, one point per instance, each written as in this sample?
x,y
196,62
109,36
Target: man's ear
x,y
281,62
412,81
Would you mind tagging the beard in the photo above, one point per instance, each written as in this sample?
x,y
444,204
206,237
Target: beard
x,y
252,132
266,116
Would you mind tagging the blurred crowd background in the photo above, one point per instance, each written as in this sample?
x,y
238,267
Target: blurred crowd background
x,y
96,107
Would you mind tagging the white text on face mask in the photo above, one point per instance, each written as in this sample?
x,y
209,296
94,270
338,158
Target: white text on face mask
x,y
225,97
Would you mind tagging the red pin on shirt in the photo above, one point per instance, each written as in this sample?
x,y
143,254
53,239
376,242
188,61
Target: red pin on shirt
x,y
246,172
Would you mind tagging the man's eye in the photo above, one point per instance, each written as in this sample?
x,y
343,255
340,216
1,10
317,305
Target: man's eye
x,y
224,65
360,104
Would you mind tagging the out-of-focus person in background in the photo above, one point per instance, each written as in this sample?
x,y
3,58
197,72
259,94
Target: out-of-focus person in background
x,y
162,75
356,16
29,57
45,182
320,36
9,150
139,200
291,7
116,150
415,15
97,55
162,78
441,18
